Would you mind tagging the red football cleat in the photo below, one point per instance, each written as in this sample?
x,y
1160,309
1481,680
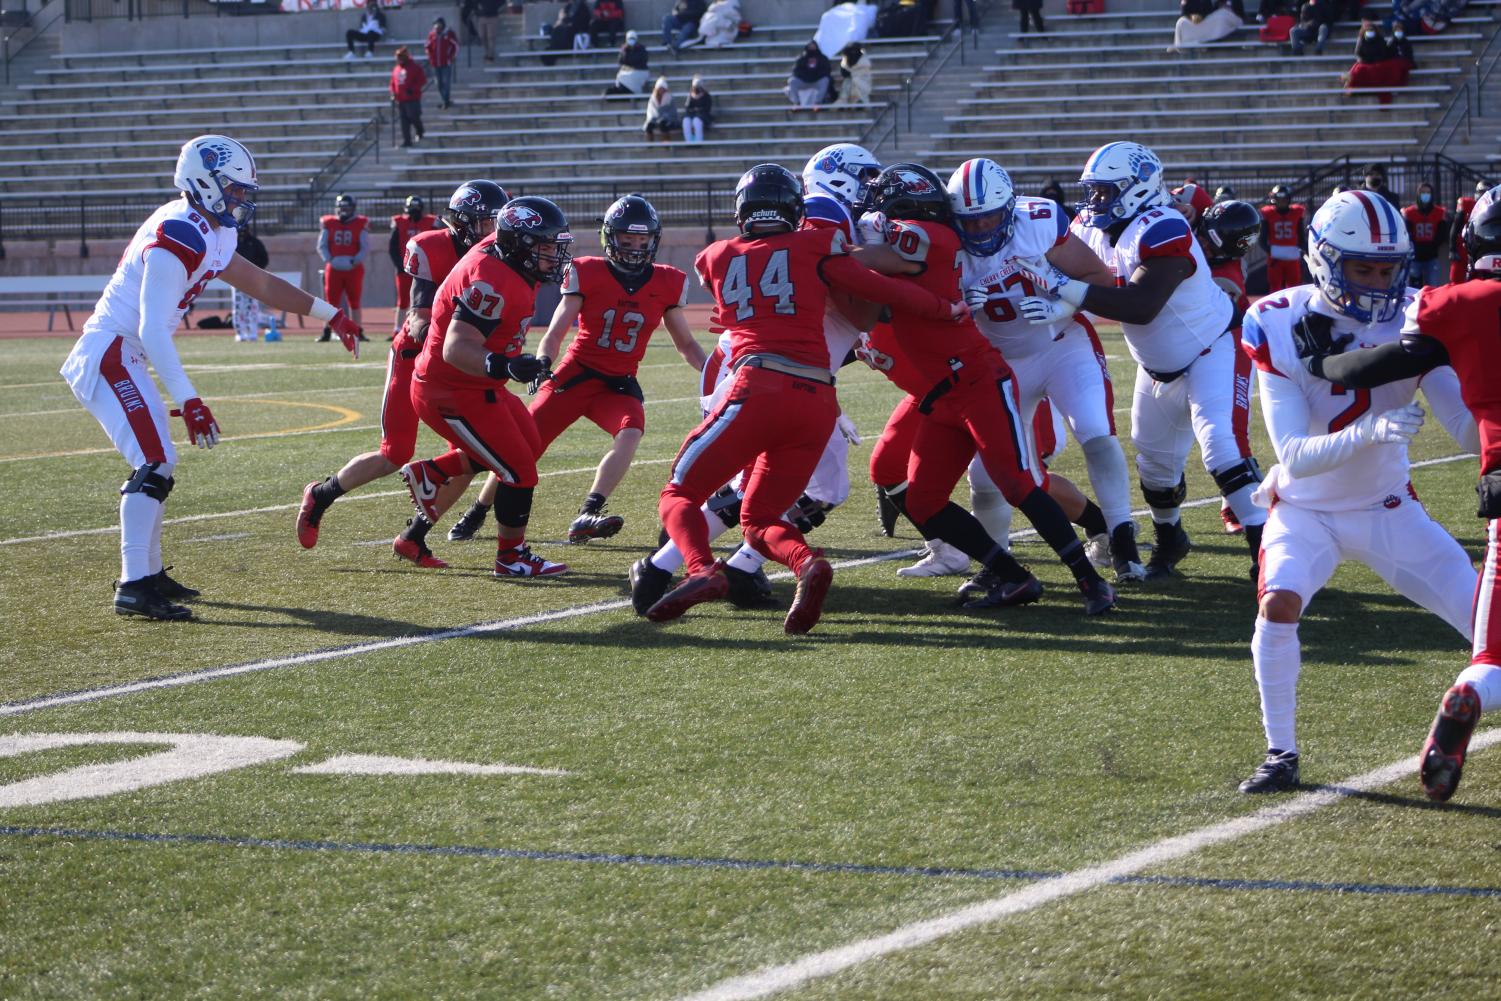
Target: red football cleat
x,y
522,562
423,487
807,604
1444,750
711,586
418,553
308,517
1232,523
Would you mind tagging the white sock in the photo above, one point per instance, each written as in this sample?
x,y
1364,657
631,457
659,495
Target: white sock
x,y
1278,658
746,559
1246,511
139,518
1106,464
1165,515
154,556
668,558
1486,680
993,513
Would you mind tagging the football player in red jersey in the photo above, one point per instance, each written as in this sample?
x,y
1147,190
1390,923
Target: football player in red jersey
x,y
414,219
771,285
430,255
968,402
1284,239
619,300
343,243
1457,325
1459,266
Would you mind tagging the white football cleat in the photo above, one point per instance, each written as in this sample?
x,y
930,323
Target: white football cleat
x,y
941,560
1097,548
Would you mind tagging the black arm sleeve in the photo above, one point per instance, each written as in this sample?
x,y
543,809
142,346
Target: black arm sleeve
x,y
394,248
1405,359
424,293
463,312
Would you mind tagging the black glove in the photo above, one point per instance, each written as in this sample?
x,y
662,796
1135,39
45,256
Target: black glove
x,y
1315,340
1489,489
521,368
807,514
543,376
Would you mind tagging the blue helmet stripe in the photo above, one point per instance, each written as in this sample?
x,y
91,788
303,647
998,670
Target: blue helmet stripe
x,y
1099,154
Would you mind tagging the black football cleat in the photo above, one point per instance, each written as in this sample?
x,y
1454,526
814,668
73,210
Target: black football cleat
x,y
469,525
887,512
596,525
1172,545
748,589
327,335
140,597
1099,596
170,589
1278,773
1007,594
979,584
1124,556
648,583
711,586
1444,750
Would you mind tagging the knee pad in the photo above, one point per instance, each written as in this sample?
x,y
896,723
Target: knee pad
x,y
1165,498
1245,473
513,506
146,480
725,505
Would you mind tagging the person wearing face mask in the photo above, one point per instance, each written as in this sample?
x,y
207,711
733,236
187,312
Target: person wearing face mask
x,y
1401,46
1376,67
1427,225
808,86
1375,180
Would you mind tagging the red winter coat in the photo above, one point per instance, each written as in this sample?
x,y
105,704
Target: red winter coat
x,y
407,81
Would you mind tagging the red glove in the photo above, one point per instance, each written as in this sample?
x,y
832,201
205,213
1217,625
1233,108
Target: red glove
x,y
348,331
203,430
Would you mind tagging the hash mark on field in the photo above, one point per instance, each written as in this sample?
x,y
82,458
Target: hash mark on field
x,y
226,537
374,764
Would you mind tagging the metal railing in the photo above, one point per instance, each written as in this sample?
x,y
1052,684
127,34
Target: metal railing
x,y
365,140
45,17
1467,101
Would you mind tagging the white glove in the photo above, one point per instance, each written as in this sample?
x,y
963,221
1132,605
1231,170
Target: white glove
x,y
1040,310
847,428
1039,272
871,229
871,357
1392,427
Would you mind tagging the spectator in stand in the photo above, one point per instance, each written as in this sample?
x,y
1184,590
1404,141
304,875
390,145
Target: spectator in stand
x,y
1204,21
1277,27
808,86
607,22
1054,190
407,81
854,75
661,116
1375,65
1459,258
680,25
720,24
371,30
1375,180
965,15
698,111
442,51
489,26
468,10
1401,47
1427,225
1315,19
1031,11
632,76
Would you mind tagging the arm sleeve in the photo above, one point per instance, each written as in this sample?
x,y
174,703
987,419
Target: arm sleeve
x,y
848,275
1286,413
424,293
163,285
393,247
323,246
1408,358
359,258
1441,390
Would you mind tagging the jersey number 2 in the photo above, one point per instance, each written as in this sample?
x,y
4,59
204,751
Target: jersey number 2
x,y
775,283
632,322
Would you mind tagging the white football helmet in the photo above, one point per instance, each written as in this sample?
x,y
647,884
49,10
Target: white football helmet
x,y
984,201
1359,226
842,171
219,176
1121,179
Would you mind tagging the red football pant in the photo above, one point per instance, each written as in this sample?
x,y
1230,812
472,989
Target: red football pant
x,y
778,426
555,412
398,419
340,285
403,290
1488,602
1283,274
489,427
983,416
888,460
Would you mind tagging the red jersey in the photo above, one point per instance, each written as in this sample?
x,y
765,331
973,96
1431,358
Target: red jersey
x,y
1229,276
770,293
1423,228
893,364
431,255
933,346
489,295
344,237
1282,228
617,319
407,227
1466,320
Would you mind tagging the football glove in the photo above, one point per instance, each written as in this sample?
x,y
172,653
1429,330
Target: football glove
x,y
847,428
348,332
871,357
520,368
1038,309
1314,338
1040,273
1394,427
543,376
203,430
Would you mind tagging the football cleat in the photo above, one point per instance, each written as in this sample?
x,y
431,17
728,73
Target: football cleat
x,y
979,584
887,512
1444,750
1172,545
423,487
712,586
1099,597
170,589
417,552
1097,549
308,517
594,526
648,583
1232,523
522,562
1124,555
748,589
807,604
466,527
941,560
1008,593
1278,773
140,597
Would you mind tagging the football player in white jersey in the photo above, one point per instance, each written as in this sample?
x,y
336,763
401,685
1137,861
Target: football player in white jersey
x,y
1008,239
1340,489
183,246
1177,325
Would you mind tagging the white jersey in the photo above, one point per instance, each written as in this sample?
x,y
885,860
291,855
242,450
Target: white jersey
x,y
1321,466
147,317
840,335
1039,226
1197,313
